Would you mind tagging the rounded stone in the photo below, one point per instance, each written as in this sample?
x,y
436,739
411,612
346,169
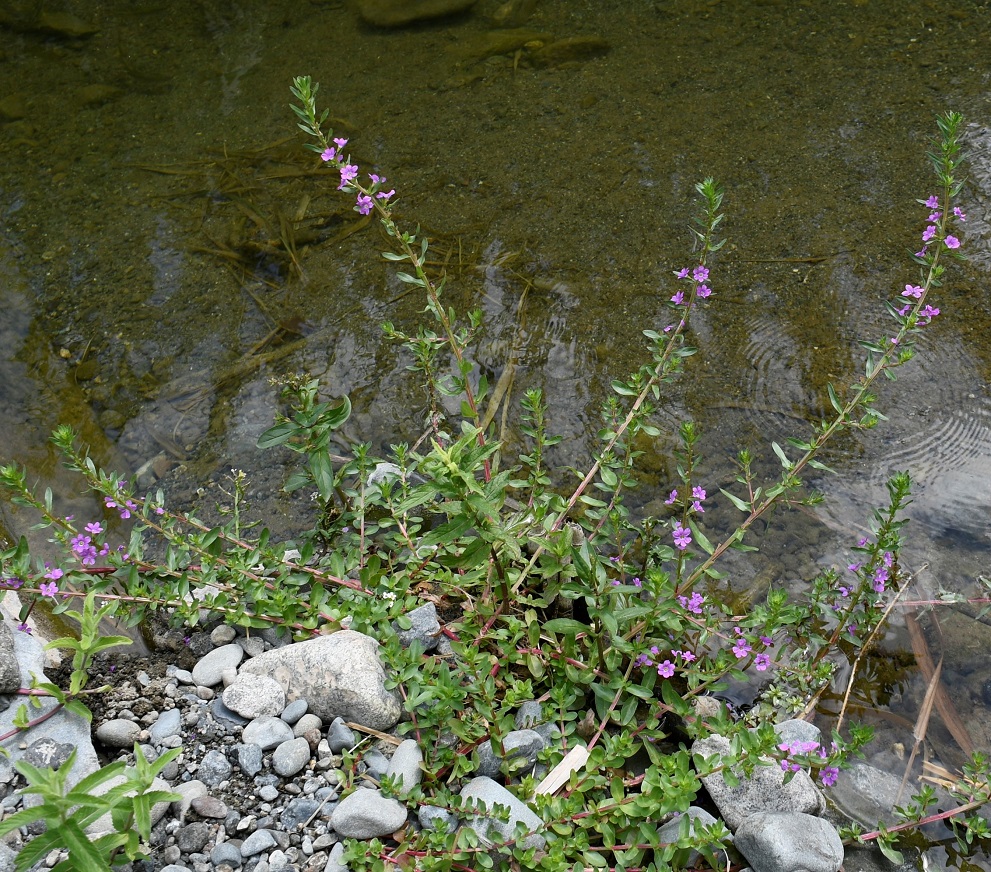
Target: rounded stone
x,y
294,711
193,837
209,670
209,807
290,757
340,675
252,696
225,852
305,724
167,725
366,814
258,841
405,765
214,768
118,733
266,732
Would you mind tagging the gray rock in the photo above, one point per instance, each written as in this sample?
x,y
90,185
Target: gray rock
x,y
290,757
395,13
794,730
175,867
433,818
789,841
224,715
62,728
366,814
269,793
168,724
405,764
249,758
118,733
294,711
671,831
258,841
209,807
298,812
340,737
209,670
488,791
529,715
10,674
252,695
305,724
867,794
47,753
8,857
226,852
193,837
763,791
425,628
521,747
214,769
223,635
266,732
334,863
188,791
339,675
376,763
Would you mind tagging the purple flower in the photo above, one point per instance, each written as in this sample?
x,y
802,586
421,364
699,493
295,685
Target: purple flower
x,y
13,583
959,213
328,154
741,649
665,669
682,273
703,291
48,588
385,195
698,493
952,242
912,291
927,313
678,298
349,172
54,574
687,656
928,233
932,202
693,605
637,582
829,775
24,628
761,662
365,204
377,179
700,273
767,641
682,537
642,660
340,142
671,498
934,216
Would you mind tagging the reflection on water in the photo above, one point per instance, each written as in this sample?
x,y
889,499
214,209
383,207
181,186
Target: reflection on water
x,y
167,250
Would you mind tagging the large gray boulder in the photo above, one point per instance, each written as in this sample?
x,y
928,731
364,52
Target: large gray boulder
x,y
489,829
61,729
788,842
339,675
762,791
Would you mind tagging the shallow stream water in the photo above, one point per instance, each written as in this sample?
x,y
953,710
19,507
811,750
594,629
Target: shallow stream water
x,y
167,247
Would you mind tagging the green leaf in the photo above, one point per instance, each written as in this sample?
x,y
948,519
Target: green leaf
x,y
889,851
785,462
566,626
833,399
735,500
278,434
322,471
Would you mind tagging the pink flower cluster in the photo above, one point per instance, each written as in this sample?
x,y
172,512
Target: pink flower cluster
x,y
365,197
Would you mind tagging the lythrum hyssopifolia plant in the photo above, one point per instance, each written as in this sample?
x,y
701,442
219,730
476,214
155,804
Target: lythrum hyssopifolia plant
x,y
552,590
